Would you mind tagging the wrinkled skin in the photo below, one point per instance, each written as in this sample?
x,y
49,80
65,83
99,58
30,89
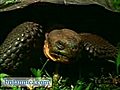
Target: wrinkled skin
x,y
62,46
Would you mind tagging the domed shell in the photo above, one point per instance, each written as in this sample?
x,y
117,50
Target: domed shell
x,y
7,5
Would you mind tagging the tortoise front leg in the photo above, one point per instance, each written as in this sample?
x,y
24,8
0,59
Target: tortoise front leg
x,y
23,43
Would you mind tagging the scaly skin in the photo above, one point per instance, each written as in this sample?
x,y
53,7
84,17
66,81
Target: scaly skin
x,y
98,47
19,45
60,45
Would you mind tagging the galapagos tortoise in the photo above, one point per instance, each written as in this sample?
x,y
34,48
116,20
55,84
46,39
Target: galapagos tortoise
x,y
26,42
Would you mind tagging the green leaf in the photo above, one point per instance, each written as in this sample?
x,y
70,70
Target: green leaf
x,y
16,88
88,87
37,72
79,85
2,75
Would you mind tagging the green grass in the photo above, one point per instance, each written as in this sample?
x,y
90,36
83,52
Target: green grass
x,y
61,85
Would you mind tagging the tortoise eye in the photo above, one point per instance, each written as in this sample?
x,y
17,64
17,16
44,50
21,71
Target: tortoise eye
x,y
60,45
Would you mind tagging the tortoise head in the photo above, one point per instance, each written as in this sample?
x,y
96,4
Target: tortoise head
x,y
61,45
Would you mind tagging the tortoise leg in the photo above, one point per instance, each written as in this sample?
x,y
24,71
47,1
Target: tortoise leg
x,y
21,45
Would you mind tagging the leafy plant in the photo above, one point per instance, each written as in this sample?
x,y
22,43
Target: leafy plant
x,y
79,85
89,86
3,75
39,72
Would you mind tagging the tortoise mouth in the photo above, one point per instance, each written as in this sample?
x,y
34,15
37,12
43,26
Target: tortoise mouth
x,y
54,56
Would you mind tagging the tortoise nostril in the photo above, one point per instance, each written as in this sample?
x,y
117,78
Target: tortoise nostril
x,y
60,45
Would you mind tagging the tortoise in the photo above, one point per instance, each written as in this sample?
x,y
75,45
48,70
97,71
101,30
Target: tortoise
x,y
28,41
60,45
